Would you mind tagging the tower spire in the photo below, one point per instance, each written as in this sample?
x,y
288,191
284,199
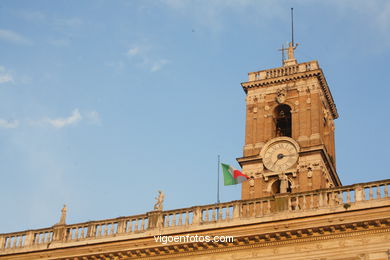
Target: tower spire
x,y
291,46
292,26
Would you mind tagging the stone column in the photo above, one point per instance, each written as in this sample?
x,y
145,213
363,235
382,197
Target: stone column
x,y
236,210
2,241
359,193
197,217
121,226
29,238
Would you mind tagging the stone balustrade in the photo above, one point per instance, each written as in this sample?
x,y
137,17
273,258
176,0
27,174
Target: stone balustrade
x,y
194,218
283,71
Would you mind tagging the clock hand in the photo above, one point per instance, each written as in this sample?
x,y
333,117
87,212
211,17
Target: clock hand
x,y
279,156
289,155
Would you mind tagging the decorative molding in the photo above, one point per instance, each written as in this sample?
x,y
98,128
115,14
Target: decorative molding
x,y
277,238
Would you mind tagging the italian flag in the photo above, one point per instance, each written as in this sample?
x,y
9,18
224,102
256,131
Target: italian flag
x,y
232,176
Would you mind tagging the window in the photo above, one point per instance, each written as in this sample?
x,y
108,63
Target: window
x,y
282,117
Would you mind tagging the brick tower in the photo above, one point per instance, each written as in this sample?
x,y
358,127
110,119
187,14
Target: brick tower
x,y
289,136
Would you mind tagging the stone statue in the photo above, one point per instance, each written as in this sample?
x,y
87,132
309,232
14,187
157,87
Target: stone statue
x,y
283,183
290,50
63,216
159,201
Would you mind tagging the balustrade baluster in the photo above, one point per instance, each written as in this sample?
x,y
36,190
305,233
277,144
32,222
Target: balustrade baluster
x,y
220,209
206,215
296,203
7,241
173,219
227,212
143,224
136,225
268,206
99,230
213,215
339,197
348,196
304,202
105,229
386,189
187,220
83,232
261,208
321,200
370,193
180,219
76,232
247,210
331,198
166,220
113,228
378,192
311,201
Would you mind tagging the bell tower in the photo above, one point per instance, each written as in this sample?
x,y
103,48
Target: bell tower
x,y
289,135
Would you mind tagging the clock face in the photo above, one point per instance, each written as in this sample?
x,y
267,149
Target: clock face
x,y
280,156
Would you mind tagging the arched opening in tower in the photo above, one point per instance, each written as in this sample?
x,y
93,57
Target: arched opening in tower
x,y
282,115
276,187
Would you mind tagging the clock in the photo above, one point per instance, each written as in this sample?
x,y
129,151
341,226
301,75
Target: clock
x,y
280,154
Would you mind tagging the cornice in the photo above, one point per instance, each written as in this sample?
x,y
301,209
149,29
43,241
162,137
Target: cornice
x,y
301,75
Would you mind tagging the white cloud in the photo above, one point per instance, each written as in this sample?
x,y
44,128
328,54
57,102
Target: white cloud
x,y
5,75
14,37
157,65
378,11
62,122
9,123
133,51
143,57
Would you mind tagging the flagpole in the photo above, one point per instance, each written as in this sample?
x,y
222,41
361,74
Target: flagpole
x,y
292,26
219,159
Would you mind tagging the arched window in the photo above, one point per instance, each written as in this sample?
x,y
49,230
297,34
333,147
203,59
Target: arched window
x,y
283,120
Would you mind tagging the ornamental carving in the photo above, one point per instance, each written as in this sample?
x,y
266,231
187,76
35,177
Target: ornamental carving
x,y
281,95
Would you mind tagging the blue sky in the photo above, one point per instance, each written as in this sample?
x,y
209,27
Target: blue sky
x,y
102,103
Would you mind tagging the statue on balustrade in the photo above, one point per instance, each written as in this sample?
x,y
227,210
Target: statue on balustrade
x,y
159,201
63,216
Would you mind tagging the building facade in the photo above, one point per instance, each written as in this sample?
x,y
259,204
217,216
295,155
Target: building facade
x,y
293,205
